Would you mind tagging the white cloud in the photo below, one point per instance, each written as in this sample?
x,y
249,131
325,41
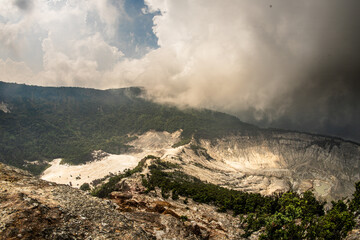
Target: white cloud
x,y
228,55
70,38
17,72
220,54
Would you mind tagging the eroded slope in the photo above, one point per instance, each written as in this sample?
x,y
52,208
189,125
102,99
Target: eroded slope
x,y
263,163
35,209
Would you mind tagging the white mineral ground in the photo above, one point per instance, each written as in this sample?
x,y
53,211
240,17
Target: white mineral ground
x,y
154,143
86,173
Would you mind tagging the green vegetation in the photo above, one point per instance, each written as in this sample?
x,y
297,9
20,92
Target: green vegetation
x,y
184,218
337,222
191,187
85,187
162,165
105,189
355,203
283,216
37,169
46,123
302,217
182,142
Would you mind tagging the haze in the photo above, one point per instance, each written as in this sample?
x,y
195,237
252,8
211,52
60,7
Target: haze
x,y
286,64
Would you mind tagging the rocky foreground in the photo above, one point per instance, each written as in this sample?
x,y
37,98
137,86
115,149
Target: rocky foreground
x,y
31,208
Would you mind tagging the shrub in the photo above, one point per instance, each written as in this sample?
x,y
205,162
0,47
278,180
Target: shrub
x,y
355,202
85,187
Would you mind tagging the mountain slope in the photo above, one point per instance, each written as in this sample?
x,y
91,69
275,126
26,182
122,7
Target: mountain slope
x,y
208,156
276,161
43,123
39,124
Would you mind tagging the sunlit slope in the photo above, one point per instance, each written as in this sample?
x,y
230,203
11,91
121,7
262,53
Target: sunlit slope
x,y
43,123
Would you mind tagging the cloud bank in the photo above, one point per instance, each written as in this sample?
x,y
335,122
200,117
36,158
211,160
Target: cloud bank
x,y
288,64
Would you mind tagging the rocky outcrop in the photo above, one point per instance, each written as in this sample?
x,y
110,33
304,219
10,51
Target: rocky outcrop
x,y
355,233
35,209
173,219
4,107
31,208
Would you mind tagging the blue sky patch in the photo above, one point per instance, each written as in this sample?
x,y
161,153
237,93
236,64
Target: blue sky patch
x,y
135,36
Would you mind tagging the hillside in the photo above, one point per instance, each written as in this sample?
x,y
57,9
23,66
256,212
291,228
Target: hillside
x,y
43,123
39,124
167,172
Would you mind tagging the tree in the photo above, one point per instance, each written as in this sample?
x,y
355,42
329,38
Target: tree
x,y
85,187
355,202
335,224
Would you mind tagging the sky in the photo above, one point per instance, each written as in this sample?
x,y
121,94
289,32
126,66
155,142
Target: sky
x,y
275,63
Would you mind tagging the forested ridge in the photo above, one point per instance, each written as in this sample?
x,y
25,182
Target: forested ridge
x,y
44,123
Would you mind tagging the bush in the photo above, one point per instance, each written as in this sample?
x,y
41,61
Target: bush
x,y
355,202
85,187
175,195
182,142
335,224
104,190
